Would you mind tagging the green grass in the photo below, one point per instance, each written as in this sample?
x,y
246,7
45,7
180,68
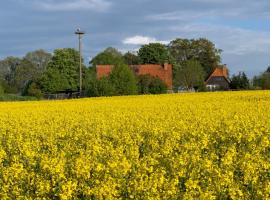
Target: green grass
x,y
14,97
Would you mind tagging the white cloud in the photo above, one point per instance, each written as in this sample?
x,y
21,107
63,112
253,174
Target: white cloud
x,y
141,40
71,5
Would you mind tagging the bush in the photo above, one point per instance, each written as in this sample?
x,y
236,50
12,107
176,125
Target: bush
x,y
32,89
97,87
123,80
151,85
101,87
1,90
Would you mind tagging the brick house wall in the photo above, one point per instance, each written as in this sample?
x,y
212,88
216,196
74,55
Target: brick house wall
x,y
164,72
103,70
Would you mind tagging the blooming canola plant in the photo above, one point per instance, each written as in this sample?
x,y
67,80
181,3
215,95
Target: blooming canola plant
x,y
187,146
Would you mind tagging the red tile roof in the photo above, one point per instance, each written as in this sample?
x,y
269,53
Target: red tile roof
x,y
221,71
164,72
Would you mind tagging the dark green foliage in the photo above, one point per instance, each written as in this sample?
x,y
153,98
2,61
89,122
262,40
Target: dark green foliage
x,y
202,50
105,87
13,97
8,71
131,59
26,71
151,85
62,71
123,80
39,59
190,75
2,91
240,82
154,53
109,56
98,87
16,73
262,81
53,81
32,89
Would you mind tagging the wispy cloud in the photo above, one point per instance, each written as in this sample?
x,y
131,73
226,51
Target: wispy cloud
x,y
71,5
237,41
141,40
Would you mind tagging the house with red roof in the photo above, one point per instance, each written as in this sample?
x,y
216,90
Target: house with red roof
x,y
218,79
164,72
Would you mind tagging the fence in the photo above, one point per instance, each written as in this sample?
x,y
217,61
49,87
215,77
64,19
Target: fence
x,y
63,95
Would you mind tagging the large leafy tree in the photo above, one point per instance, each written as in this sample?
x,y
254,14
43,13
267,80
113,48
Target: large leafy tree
x,y
202,50
26,71
8,68
39,59
190,75
16,73
109,56
154,53
62,71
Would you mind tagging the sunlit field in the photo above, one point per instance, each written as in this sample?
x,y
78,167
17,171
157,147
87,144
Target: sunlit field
x,y
180,146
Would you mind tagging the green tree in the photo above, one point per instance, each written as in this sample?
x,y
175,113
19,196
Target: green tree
x,y
2,91
26,71
157,86
148,84
32,89
190,75
262,81
123,80
39,59
98,87
62,71
105,87
131,59
240,82
202,50
8,68
109,56
154,53
54,81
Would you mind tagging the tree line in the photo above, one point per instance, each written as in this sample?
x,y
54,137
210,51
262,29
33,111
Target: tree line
x,y
40,72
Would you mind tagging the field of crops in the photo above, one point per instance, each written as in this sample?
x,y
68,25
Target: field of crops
x,y
181,146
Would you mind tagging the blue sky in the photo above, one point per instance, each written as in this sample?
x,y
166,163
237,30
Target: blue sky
x,y
240,28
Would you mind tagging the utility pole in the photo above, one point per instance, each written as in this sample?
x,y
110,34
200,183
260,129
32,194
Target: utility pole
x,y
80,34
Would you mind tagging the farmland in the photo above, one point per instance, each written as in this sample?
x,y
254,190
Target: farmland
x,y
187,146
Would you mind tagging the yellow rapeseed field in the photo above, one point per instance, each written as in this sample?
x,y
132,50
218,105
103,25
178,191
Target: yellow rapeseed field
x,y
179,146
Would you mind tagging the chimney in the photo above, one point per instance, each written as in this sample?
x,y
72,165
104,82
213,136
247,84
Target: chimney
x,y
225,71
166,66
